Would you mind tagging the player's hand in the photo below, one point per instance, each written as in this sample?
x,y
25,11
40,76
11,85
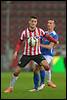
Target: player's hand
x,y
57,42
15,55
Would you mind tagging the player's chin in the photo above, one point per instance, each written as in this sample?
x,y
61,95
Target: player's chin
x,y
32,26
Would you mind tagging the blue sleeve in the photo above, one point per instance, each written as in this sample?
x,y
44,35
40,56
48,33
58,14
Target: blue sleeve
x,y
55,37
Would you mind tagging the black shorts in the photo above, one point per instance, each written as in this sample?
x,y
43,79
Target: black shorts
x,y
25,59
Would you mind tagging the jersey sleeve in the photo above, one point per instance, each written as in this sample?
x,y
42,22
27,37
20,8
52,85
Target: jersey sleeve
x,y
22,35
42,33
47,36
18,45
55,37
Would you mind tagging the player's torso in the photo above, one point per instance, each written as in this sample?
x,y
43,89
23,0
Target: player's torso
x,y
47,42
32,50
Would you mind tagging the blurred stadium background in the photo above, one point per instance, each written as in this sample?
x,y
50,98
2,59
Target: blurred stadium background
x,y
14,17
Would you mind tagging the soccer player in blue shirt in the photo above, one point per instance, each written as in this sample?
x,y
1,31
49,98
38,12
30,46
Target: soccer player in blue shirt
x,y
47,50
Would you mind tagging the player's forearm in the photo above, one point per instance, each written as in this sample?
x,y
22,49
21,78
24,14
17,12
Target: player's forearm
x,y
51,39
18,46
45,46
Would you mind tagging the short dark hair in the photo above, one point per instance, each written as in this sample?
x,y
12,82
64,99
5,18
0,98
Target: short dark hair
x,y
51,19
35,17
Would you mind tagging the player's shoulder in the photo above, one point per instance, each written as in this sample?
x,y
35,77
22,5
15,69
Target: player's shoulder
x,y
40,29
24,30
46,32
54,33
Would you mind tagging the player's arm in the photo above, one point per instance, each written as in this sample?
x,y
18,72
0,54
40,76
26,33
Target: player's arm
x,y
48,46
55,45
50,38
18,46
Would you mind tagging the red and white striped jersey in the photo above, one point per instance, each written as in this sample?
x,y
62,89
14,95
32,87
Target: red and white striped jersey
x,y
25,35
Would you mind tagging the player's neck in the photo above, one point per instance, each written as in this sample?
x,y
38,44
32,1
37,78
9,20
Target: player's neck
x,y
31,28
50,30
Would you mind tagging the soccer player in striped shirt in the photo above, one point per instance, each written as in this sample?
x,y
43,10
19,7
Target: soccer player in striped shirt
x,y
30,51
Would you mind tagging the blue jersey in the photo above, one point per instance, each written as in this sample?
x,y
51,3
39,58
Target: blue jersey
x,y
45,51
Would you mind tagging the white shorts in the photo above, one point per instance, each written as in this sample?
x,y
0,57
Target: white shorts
x,y
48,58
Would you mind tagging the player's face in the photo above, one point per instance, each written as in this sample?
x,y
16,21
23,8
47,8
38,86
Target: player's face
x,y
32,23
51,25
